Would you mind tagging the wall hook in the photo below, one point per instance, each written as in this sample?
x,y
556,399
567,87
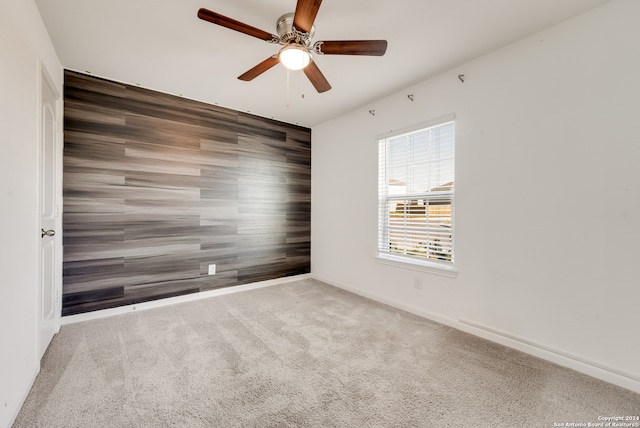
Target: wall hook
x,y
410,96
461,77
372,112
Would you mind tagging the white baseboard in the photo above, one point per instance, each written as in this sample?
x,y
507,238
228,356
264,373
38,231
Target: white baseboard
x,y
104,313
574,362
579,364
9,414
396,304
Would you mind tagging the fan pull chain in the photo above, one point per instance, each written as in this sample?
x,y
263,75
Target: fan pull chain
x,y
287,105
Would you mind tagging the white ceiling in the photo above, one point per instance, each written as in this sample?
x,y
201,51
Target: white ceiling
x,y
162,45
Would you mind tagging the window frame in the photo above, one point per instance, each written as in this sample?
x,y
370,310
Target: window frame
x,y
427,265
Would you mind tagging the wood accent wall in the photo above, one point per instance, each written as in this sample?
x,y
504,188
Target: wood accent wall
x,y
157,187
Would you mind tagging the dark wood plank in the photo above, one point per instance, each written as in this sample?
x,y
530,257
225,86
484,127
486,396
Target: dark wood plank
x,y
157,187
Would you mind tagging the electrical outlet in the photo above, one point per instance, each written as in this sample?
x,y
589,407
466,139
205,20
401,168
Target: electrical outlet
x,y
417,283
212,269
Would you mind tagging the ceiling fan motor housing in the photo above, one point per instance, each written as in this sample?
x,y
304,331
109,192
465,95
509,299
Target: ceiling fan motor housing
x,y
289,34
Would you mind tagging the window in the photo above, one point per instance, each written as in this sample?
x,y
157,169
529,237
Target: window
x,y
415,195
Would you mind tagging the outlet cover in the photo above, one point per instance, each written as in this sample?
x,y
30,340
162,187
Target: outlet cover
x,y
212,269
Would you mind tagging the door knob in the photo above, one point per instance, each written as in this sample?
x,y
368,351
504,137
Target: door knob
x,y
49,232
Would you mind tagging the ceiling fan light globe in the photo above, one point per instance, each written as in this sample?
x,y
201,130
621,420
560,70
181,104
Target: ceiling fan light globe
x,y
294,57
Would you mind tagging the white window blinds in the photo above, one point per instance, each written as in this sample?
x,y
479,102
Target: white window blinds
x,y
415,194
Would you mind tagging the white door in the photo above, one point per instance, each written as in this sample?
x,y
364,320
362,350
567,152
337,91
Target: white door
x,y
47,311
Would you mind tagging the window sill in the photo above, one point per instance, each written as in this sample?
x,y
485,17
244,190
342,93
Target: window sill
x,y
428,267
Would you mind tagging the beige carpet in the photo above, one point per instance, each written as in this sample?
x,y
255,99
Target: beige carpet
x,y
300,354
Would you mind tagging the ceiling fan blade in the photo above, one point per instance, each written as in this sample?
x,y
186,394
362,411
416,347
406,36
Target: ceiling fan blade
x,y
259,69
224,21
305,14
352,47
316,77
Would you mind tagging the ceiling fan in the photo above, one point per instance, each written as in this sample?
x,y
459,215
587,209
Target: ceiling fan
x,y
295,31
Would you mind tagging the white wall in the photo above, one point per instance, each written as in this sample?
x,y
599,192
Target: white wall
x,y
24,45
547,195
